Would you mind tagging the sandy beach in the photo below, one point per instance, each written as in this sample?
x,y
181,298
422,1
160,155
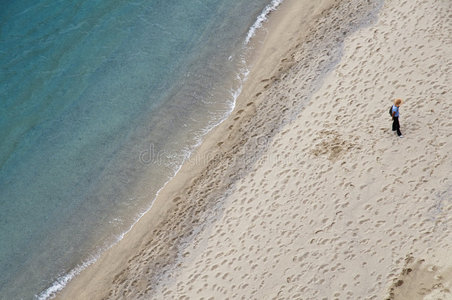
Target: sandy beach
x,y
305,192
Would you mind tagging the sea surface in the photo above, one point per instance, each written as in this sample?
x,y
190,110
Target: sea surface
x,y
100,104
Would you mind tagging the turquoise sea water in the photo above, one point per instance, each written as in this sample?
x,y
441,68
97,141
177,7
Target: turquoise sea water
x,y
100,103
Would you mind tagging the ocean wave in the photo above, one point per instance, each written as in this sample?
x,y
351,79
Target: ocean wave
x,y
241,77
261,19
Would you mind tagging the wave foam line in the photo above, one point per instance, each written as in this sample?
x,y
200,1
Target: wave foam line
x,y
63,280
261,19
242,76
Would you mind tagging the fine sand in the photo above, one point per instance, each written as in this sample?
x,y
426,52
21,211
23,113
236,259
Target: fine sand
x,y
304,192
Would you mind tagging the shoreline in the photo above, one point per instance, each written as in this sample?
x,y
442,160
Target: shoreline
x,y
63,280
249,146
181,179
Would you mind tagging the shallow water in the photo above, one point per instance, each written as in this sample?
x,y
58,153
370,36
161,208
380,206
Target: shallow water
x,y
95,96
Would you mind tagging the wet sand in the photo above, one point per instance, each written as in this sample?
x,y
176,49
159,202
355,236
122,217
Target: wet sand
x,y
304,192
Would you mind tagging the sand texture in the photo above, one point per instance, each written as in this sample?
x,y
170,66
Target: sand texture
x,y
304,192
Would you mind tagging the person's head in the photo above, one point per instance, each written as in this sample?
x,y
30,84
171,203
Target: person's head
x,y
397,102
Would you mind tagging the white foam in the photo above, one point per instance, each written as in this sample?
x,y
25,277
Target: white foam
x,y
261,19
242,76
62,281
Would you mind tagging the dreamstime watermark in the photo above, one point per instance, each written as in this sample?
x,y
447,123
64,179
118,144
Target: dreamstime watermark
x,y
241,156
262,142
156,157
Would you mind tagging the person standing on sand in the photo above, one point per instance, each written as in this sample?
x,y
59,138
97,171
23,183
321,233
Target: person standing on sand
x,y
395,117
